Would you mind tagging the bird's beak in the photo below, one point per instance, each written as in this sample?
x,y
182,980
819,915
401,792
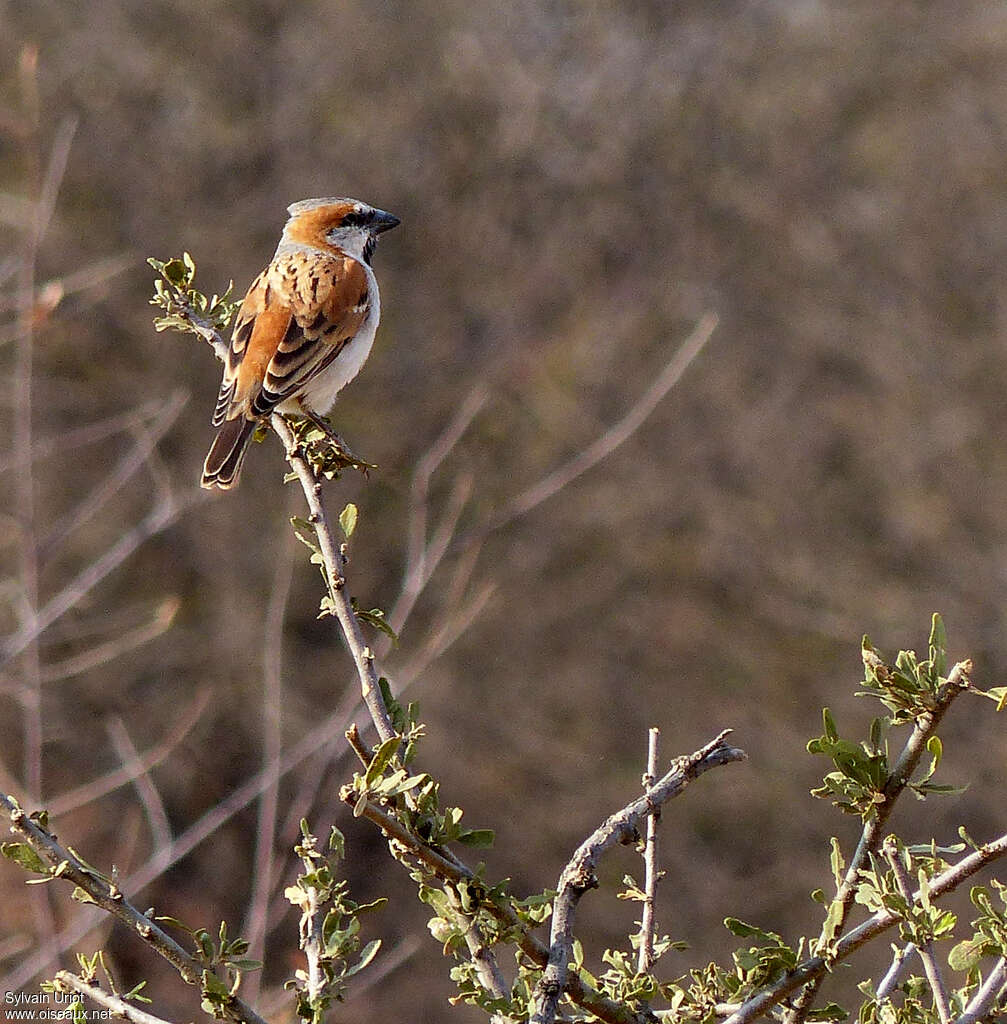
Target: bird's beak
x,y
383,221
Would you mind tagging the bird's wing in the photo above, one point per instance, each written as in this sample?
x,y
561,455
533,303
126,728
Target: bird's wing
x,y
296,318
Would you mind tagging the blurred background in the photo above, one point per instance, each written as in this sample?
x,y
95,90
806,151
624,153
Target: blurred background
x,y
578,183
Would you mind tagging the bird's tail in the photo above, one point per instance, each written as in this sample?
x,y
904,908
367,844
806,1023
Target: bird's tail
x,y
223,462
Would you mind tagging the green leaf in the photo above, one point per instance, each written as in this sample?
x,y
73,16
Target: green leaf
x,y
23,854
938,645
175,272
829,1012
997,694
215,989
348,520
381,760
337,843
833,921
837,862
370,951
245,965
305,533
134,994
750,931
967,955
829,724
376,617
480,838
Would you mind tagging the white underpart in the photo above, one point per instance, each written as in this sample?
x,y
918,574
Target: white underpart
x,y
321,392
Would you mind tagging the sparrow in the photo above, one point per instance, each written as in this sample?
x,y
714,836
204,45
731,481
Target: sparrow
x,y
304,328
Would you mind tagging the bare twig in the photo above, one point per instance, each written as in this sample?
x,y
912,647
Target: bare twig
x,y
102,653
53,291
91,433
163,515
645,960
160,829
817,966
616,435
870,839
579,874
423,555
64,863
183,844
122,776
43,188
264,868
891,851
147,437
118,1007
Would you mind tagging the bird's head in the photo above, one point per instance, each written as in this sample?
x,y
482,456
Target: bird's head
x,y
344,224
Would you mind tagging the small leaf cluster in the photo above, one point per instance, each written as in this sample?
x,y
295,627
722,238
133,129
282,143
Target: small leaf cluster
x,y
223,961
990,936
862,769
414,797
329,926
325,453
185,308
920,920
909,689
26,856
915,1005
763,959
306,532
459,907
915,999
622,980
88,973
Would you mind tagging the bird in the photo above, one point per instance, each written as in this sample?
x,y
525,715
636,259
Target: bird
x,y
304,329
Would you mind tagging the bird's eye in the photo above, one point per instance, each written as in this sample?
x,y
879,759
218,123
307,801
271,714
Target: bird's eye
x,y
354,219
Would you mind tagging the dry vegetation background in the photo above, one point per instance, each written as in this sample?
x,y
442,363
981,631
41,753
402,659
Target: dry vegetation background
x,y
578,182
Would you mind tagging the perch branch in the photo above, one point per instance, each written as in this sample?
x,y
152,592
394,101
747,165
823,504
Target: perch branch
x,y
335,561
894,974
487,968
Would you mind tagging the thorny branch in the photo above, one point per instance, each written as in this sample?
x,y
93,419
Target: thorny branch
x,y
933,973
119,1007
989,992
817,966
870,839
579,874
645,960
451,870
64,863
